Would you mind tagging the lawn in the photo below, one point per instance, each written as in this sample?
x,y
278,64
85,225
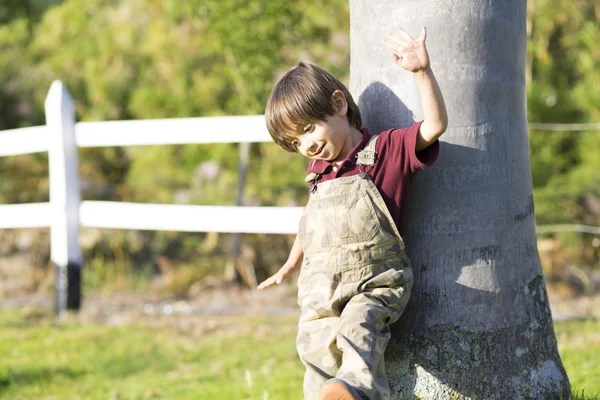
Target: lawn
x,y
154,359
579,348
198,357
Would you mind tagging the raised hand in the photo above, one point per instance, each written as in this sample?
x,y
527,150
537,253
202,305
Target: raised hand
x,y
407,52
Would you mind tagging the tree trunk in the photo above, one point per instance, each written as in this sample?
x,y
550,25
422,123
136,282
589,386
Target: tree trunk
x,y
478,324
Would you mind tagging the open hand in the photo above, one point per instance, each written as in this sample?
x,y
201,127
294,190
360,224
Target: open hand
x,y
278,277
407,52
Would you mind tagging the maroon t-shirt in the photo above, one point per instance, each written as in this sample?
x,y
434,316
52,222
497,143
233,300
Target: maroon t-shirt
x,y
396,165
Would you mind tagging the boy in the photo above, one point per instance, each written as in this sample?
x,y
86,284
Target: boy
x,y
355,278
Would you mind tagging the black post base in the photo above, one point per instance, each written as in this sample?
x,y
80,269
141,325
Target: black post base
x,y
68,287
73,286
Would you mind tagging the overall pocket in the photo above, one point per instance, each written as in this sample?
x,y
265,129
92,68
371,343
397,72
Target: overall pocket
x,y
338,220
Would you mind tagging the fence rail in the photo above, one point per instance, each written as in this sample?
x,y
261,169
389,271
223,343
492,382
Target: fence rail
x,y
32,215
238,129
66,213
591,126
14,142
190,218
595,230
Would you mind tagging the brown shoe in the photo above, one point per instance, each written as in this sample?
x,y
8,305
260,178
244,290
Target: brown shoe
x,y
336,391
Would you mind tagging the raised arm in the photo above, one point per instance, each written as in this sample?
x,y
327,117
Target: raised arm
x,y
412,55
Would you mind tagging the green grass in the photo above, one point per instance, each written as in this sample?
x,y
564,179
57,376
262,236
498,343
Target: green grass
x,y
250,359
43,360
579,347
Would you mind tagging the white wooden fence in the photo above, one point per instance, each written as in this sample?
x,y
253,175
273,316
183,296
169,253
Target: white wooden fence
x,y
65,212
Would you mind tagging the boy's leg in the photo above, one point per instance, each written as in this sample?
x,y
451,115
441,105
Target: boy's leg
x,y
317,349
364,331
318,297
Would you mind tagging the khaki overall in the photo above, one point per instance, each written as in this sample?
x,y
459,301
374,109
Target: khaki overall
x,y
354,282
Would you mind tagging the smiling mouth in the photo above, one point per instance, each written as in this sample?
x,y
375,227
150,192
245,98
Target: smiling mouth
x,y
319,150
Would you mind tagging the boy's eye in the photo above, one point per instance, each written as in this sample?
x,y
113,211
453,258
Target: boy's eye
x,y
296,143
309,128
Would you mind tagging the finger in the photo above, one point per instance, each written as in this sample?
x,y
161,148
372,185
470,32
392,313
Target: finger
x,y
390,45
396,51
405,34
423,35
266,283
395,39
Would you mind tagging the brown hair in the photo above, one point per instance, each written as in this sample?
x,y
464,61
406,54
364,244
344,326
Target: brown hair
x,y
301,96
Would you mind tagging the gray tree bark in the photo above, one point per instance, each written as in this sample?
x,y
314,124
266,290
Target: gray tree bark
x,y
478,324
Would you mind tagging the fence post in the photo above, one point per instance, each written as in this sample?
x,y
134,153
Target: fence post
x,y
64,198
233,269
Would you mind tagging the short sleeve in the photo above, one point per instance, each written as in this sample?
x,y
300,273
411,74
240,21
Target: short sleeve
x,y
403,142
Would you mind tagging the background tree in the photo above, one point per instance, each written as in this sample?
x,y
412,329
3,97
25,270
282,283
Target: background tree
x,y
139,59
144,59
478,324
563,70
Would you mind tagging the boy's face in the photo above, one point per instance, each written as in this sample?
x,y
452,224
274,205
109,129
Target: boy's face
x,y
329,139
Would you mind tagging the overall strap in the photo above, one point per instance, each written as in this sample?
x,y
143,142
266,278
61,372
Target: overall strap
x,y
312,178
368,155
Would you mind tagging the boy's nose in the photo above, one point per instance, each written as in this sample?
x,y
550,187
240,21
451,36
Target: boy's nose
x,y
312,148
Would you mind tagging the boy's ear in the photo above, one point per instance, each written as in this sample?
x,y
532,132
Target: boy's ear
x,y
339,103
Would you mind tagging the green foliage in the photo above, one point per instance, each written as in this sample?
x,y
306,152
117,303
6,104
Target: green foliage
x,y
142,59
24,9
563,74
563,59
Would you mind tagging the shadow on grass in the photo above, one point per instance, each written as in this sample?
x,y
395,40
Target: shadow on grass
x,y
23,377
